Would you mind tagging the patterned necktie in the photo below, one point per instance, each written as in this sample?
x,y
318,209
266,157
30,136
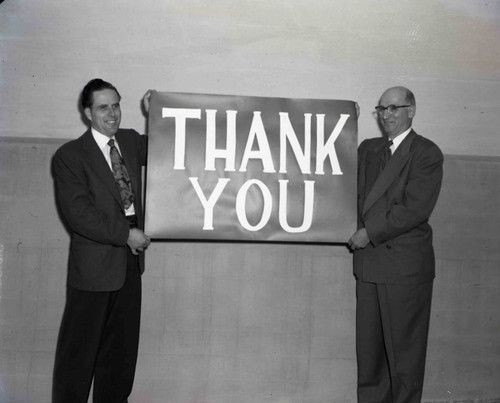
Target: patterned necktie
x,y
386,155
121,175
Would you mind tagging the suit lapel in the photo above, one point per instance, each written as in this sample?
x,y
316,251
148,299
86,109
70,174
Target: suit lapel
x,y
98,163
387,176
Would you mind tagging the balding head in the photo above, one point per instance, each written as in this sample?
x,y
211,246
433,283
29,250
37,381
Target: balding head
x,y
396,122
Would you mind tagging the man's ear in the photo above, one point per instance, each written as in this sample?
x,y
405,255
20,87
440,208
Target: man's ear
x,y
88,114
411,111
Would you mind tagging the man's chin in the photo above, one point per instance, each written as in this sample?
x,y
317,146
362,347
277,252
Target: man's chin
x,y
389,131
111,131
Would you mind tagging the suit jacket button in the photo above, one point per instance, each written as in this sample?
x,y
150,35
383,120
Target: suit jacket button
x,y
388,246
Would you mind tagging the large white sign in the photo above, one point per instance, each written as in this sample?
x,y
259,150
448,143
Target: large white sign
x,y
251,168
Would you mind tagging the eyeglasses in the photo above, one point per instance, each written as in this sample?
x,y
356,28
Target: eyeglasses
x,y
391,108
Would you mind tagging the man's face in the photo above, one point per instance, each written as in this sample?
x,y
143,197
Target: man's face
x,y
105,114
400,120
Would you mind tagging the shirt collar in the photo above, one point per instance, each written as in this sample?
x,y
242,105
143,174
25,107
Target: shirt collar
x,y
100,139
396,141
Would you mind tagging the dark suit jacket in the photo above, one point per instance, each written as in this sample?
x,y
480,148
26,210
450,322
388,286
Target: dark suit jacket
x,y
395,207
90,203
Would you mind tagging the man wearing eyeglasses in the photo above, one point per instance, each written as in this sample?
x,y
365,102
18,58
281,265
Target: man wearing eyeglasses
x,y
399,179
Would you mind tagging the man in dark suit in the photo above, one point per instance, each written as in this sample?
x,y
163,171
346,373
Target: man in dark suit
x,y
399,179
98,191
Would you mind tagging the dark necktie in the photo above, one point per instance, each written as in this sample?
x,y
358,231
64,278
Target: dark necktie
x,y
121,175
386,155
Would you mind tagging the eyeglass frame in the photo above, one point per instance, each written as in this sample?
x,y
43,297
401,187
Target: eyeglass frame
x,y
391,108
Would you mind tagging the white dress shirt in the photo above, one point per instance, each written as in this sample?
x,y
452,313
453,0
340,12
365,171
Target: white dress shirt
x,y
396,141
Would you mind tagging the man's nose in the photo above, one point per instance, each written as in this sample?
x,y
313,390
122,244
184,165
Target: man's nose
x,y
386,113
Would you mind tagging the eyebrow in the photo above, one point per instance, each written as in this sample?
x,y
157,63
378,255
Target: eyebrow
x,y
106,105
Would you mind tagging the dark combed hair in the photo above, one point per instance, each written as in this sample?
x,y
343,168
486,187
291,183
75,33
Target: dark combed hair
x,y
92,86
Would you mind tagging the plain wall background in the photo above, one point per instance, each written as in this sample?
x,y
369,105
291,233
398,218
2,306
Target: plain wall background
x,y
252,323
247,322
447,51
